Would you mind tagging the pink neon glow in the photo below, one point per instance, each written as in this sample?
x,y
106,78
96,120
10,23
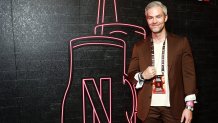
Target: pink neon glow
x,y
99,37
97,43
109,93
94,117
124,80
134,102
137,29
112,32
123,46
103,11
99,5
124,71
100,98
94,110
115,10
143,32
102,20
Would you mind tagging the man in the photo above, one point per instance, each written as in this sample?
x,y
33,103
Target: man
x,y
162,68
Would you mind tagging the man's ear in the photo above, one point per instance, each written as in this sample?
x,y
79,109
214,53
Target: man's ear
x,y
166,18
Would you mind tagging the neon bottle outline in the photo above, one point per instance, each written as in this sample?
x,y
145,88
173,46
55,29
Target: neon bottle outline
x,y
98,36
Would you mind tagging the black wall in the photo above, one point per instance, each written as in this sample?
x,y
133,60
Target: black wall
x,y
34,52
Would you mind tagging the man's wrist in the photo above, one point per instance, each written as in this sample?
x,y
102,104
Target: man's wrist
x,y
141,76
191,108
190,103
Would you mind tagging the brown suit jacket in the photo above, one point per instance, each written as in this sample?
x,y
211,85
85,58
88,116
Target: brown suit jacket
x,y
181,73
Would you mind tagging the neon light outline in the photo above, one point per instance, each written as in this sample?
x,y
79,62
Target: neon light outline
x,y
124,70
142,32
103,9
117,31
100,97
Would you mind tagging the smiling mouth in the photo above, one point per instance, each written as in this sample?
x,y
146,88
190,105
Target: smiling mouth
x,y
154,25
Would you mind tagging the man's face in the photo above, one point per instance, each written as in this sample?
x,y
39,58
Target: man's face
x,y
156,19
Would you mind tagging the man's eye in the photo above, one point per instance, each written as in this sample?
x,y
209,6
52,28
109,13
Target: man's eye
x,y
159,16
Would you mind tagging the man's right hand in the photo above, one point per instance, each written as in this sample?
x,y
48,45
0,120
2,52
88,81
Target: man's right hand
x,y
149,73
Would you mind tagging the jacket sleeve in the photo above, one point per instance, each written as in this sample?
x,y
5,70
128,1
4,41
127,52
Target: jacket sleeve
x,y
188,69
134,65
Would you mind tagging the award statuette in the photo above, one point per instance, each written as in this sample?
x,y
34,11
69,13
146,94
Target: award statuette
x,y
158,85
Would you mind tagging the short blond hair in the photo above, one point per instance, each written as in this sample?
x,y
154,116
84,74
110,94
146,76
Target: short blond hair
x,y
156,4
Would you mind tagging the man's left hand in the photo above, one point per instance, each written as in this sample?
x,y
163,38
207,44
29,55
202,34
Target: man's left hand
x,y
186,116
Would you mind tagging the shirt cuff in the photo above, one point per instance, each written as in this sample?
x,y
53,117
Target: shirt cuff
x,y
140,82
191,97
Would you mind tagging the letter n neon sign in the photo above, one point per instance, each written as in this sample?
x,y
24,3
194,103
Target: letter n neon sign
x,y
86,92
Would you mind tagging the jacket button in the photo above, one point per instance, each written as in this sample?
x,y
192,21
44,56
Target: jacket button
x,y
149,97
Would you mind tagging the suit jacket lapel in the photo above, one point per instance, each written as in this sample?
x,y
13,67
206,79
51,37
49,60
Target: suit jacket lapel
x,y
170,46
148,51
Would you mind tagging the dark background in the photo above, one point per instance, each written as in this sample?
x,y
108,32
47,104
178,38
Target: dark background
x,y
34,52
